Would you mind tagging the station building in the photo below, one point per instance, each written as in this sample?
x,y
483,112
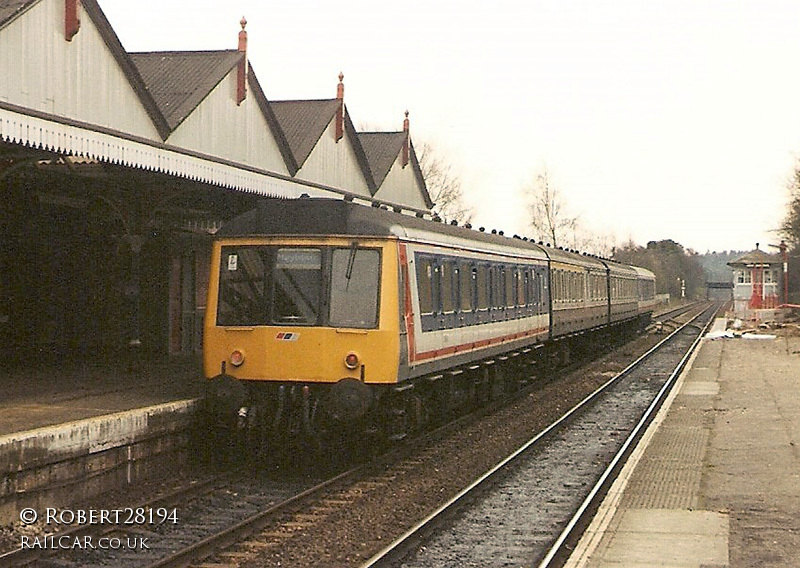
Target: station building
x,y
117,168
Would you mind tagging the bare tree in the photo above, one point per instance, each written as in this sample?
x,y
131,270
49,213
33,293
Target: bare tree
x,y
548,212
602,244
790,228
444,185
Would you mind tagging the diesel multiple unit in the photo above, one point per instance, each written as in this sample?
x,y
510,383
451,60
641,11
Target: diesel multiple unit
x,y
325,314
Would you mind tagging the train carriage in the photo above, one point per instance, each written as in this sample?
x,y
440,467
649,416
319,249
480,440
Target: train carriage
x,y
647,292
323,313
468,299
623,287
579,290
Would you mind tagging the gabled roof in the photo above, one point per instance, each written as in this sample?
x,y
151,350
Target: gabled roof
x,y
756,256
11,9
180,80
170,86
303,123
381,150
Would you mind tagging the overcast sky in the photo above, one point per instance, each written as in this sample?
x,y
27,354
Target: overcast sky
x,y
655,119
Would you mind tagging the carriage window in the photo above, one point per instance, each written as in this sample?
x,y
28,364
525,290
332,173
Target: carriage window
x,y
562,287
498,287
271,285
522,286
530,279
242,287
355,278
557,285
569,284
448,303
482,276
466,277
424,285
263,285
296,285
511,282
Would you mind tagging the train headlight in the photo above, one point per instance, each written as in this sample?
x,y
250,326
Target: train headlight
x,y
237,358
351,361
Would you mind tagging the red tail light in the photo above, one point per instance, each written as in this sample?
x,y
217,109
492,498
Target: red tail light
x,y
351,361
237,358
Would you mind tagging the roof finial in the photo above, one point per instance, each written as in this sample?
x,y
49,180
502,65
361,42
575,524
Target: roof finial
x,y
241,78
406,144
243,35
340,111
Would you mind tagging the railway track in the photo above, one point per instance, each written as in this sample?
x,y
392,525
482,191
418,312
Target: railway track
x,y
241,521
134,535
532,506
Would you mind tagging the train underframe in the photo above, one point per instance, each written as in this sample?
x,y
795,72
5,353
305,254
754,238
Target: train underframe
x,y
317,420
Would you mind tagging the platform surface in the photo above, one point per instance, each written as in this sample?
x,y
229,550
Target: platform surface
x,y
37,397
715,483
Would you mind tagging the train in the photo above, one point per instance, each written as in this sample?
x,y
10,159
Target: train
x,y
325,315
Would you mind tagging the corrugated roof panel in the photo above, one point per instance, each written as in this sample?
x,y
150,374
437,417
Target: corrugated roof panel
x,y
303,123
180,80
10,9
381,149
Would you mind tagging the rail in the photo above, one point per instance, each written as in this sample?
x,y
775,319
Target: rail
x,y
415,537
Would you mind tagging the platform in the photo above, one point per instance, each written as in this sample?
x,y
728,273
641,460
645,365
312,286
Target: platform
x,y
715,483
71,432
34,397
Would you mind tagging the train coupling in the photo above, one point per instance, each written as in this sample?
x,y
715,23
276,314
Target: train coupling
x,y
242,417
225,395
